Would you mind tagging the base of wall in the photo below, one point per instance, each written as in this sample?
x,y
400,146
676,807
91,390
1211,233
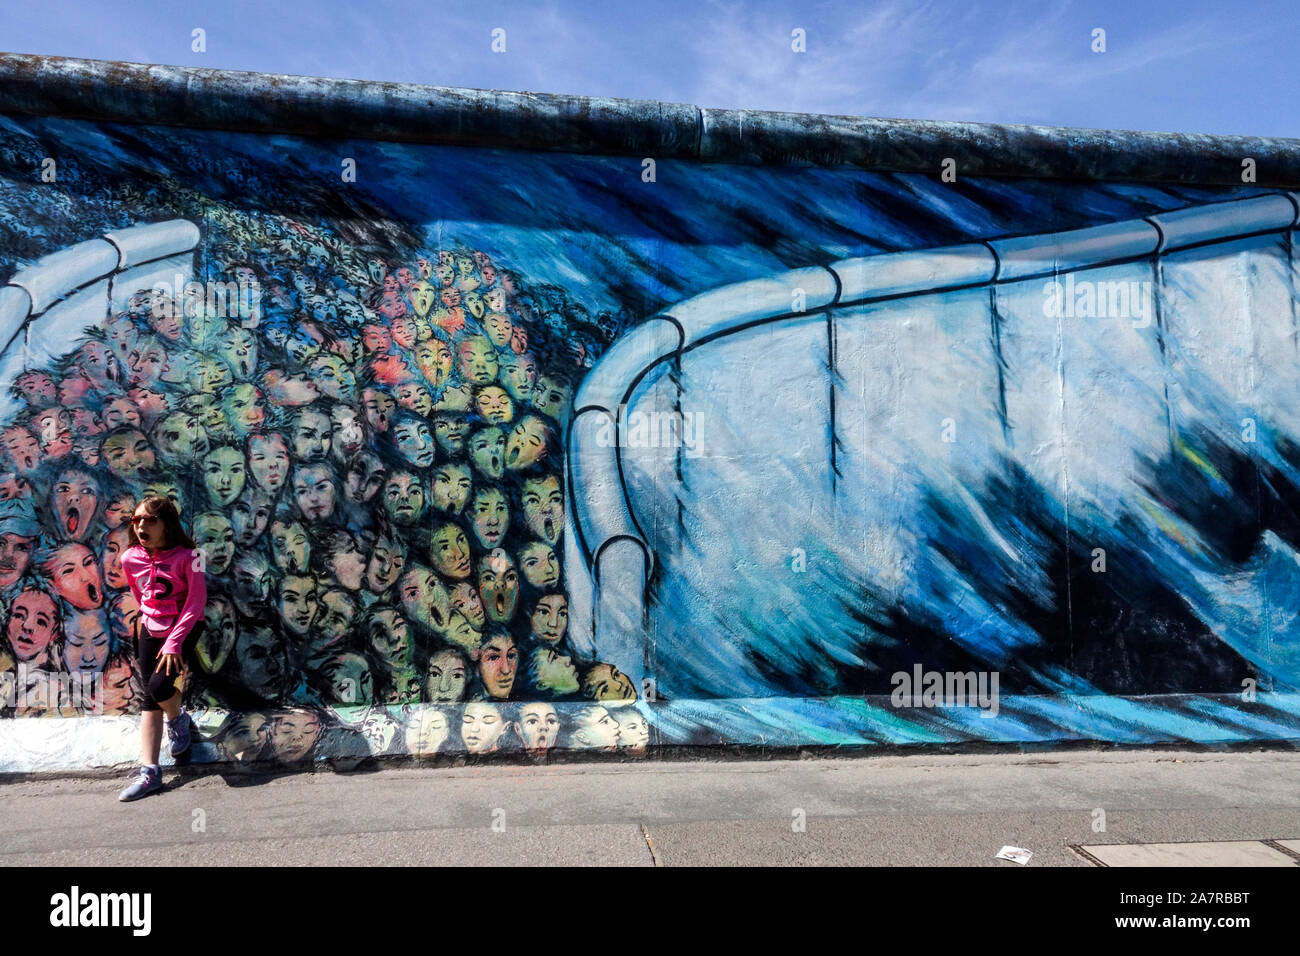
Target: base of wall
x,y
757,728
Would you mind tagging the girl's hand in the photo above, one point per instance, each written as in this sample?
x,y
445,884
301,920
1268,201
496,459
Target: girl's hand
x,y
169,663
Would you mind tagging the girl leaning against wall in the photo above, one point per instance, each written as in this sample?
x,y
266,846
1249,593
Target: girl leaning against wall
x,y
166,579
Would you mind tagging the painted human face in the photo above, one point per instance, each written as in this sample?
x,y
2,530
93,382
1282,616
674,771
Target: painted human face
x,y
15,554
290,546
378,409
447,675
37,388
385,566
366,476
465,600
32,620
393,308
474,302
259,654
519,376
54,431
74,572
246,737
215,535
375,338
123,613
404,498
498,583
127,452
149,401
498,663
427,733
119,695
311,435
85,642
268,462
219,637
249,516
538,727
347,563
449,551
550,618
451,298
21,448
487,450
435,361
181,438
413,441
633,731
596,729
378,270
346,436
495,405
552,398
14,485
334,614
252,582
313,492
543,507
415,397
244,409
423,296
239,349
425,600
556,672
451,487
293,735
223,475
403,329
478,360
208,411
115,542
481,727
527,443
540,566
607,682
499,328
164,489
390,638
350,680
74,499
333,377
450,431
297,604
491,516
147,361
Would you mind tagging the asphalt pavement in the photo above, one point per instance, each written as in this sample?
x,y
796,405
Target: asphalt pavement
x,y
955,810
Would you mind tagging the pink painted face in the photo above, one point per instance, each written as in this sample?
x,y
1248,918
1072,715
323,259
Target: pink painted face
x,y
451,297
37,388
119,412
392,306
86,422
405,279
404,333
32,623
119,511
489,275
151,403
391,285
21,448
75,575
98,363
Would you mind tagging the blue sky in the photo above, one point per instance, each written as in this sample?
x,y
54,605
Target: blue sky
x,y
1179,65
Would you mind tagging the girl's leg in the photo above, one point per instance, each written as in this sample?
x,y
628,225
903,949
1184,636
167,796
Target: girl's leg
x,y
150,736
172,706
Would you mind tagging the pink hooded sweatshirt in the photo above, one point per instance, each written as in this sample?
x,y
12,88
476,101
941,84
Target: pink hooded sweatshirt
x,y
170,592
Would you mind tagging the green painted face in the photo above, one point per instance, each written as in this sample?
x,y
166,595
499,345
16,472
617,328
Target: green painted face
x,y
543,506
451,487
478,360
487,450
449,551
404,498
223,475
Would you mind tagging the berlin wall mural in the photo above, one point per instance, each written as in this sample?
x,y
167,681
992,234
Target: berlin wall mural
x,y
490,451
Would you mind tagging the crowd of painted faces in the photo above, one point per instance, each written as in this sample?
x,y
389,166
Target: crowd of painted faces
x,y
367,455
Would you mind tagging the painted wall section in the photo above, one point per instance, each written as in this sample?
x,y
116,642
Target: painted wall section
x,y
491,450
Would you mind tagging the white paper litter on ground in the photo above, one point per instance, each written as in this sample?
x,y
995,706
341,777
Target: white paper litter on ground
x,y
1015,854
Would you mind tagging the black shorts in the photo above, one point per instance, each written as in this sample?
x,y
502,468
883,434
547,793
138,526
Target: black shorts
x,y
159,686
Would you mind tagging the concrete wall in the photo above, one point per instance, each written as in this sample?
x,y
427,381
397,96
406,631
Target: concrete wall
x,y
827,434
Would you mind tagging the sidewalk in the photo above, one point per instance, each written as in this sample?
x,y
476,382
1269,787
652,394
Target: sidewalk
x,y
946,810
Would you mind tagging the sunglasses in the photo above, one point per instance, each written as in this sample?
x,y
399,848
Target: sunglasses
x,y
143,519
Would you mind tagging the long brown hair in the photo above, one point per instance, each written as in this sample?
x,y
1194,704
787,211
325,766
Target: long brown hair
x,y
162,508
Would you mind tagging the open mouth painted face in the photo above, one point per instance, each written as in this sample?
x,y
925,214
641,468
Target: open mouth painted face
x,y
487,450
498,583
75,574
543,506
75,500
